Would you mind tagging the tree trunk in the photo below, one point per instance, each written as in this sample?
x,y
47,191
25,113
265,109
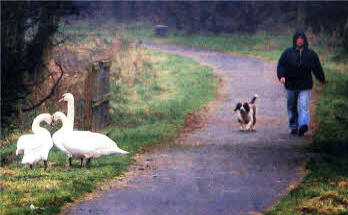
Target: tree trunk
x,y
345,36
12,42
300,21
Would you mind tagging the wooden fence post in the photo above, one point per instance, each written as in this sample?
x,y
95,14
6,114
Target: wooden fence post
x,y
97,95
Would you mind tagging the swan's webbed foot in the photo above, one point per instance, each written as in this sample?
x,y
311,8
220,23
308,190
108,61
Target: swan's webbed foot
x,y
70,164
81,162
45,163
87,162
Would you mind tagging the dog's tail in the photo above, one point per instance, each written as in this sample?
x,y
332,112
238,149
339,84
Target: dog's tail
x,y
253,99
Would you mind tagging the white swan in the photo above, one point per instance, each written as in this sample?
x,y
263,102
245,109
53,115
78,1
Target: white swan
x,y
69,124
69,98
57,136
36,147
83,144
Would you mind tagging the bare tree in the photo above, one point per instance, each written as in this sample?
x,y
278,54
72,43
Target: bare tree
x,y
24,58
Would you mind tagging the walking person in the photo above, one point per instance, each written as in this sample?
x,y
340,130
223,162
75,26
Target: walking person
x,y
294,70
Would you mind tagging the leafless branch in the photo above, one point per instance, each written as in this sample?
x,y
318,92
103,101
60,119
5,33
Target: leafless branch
x,y
51,92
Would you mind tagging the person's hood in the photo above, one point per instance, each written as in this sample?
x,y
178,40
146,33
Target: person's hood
x,y
303,35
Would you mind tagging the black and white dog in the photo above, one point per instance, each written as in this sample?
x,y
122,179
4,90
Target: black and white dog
x,y
246,113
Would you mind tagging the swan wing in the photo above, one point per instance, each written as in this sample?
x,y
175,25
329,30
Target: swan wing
x,y
36,148
32,158
33,142
107,145
90,144
78,144
41,145
59,137
22,143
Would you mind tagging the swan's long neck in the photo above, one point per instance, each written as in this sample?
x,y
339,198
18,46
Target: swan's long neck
x,y
57,136
61,116
70,114
35,127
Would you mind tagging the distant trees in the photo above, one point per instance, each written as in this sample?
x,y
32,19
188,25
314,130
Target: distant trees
x,y
27,30
236,16
345,36
240,16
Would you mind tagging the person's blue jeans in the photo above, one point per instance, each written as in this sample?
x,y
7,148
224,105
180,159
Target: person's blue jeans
x,y
297,105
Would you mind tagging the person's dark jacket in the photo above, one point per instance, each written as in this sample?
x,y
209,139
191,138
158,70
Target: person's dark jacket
x,y
296,66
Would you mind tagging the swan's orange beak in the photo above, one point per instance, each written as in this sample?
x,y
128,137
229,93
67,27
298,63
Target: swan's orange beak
x,y
61,99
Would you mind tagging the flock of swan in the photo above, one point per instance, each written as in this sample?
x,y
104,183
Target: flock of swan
x,y
79,144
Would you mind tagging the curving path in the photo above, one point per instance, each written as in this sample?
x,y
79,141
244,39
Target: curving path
x,y
217,169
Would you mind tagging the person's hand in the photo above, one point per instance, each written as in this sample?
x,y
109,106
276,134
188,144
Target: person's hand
x,y
282,80
324,83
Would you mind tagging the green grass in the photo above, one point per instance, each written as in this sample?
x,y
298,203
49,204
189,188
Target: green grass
x,y
159,108
48,190
332,109
149,106
323,191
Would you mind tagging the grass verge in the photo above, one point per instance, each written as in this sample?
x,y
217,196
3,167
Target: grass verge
x,y
325,189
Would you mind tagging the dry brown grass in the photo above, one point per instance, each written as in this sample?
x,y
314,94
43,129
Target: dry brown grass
x,y
328,203
128,63
9,138
267,45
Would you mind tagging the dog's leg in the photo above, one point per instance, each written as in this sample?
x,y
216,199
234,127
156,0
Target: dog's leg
x,y
252,117
241,128
252,128
249,125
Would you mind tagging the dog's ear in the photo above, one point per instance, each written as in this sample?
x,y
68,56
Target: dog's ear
x,y
238,106
246,107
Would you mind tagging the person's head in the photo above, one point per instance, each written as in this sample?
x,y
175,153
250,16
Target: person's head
x,y
300,40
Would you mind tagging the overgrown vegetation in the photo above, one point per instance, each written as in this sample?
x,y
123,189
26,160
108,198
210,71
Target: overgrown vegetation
x,y
27,32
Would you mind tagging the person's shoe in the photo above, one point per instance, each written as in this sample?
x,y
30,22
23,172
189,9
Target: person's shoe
x,y
293,131
303,129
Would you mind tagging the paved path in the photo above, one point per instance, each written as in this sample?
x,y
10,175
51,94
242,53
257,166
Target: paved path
x,y
226,171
